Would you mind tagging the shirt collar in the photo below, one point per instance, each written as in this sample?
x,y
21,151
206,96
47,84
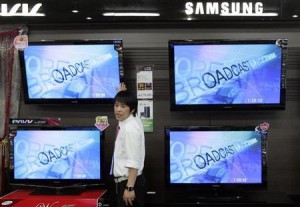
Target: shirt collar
x,y
129,118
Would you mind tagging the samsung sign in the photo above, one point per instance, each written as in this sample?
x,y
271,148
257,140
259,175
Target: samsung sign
x,y
21,10
226,9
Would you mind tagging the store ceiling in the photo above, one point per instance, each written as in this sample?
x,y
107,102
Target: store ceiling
x,y
59,12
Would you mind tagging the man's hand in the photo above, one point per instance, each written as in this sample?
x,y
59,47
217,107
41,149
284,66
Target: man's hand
x,y
128,197
122,87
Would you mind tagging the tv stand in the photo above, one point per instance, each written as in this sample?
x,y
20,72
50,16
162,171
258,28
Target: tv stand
x,y
217,197
58,191
224,199
26,197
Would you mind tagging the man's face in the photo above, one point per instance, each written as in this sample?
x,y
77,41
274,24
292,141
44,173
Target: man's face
x,y
122,111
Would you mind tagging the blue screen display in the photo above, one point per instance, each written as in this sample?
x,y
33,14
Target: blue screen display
x,y
57,154
72,71
227,74
209,157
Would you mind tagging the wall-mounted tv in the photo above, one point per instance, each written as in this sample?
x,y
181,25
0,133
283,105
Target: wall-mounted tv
x,y
56,157
215,158
227,74
71,72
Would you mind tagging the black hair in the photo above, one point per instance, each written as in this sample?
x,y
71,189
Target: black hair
x,y
127,98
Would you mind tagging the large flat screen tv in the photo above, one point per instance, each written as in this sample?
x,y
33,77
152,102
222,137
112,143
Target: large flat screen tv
x,y
227,74
53,157
71,72
215,158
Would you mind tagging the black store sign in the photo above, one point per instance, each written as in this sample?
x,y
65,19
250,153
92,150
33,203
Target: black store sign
x,y
57,11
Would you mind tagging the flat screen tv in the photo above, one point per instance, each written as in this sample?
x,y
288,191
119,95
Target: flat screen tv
x,y
227,74
215,158
56,158
72,72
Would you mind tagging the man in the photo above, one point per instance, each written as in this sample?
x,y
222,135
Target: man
x,y
129,152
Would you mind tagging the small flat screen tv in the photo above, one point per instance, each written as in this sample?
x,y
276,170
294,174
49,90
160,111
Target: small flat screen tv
x,y
227,74
72,72
215,158
56,157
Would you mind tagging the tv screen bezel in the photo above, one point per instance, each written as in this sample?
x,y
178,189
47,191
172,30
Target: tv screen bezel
x,y
214,187
56,183
248,106
28,100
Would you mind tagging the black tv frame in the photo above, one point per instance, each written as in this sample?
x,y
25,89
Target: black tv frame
x,y
227,107
56,186
119,47
204,191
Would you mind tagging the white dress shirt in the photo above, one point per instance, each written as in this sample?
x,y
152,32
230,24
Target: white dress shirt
x,y
129,149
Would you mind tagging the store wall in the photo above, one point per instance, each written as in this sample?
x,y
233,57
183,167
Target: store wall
x,y
149,46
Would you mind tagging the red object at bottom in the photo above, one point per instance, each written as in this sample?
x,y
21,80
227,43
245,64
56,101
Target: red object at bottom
x,y
25,198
